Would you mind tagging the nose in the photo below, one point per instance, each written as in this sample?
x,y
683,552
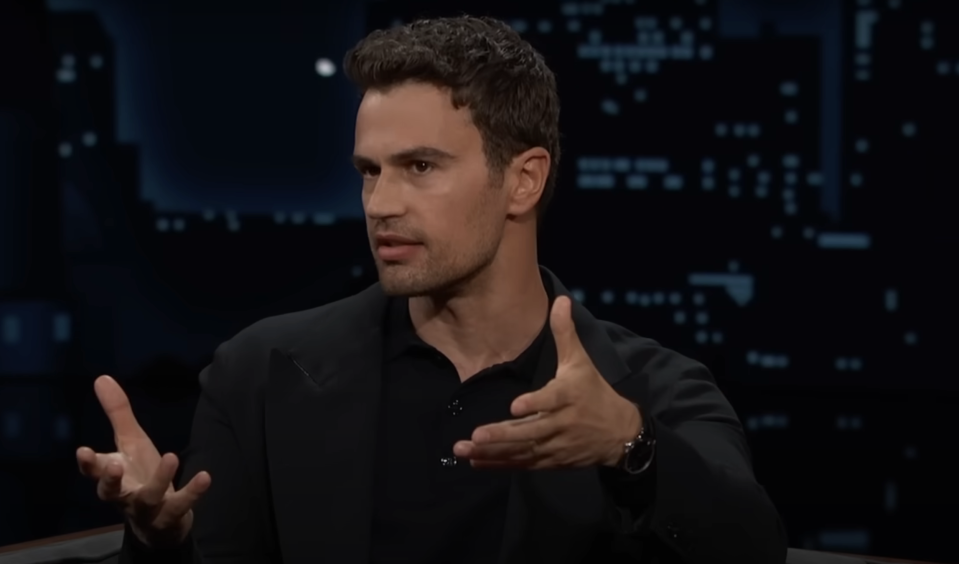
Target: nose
x,y
384,197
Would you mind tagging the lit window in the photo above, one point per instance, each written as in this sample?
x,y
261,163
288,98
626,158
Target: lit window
x,y
66,75
61,328
62,428
11,425
11,330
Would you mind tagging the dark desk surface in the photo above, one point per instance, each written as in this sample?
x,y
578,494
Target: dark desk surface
x,y
882,559
61,538
112,528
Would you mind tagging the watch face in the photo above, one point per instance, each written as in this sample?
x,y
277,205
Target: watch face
x,y
639,456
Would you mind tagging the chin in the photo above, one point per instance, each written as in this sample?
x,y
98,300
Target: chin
x,y
404,280
419,281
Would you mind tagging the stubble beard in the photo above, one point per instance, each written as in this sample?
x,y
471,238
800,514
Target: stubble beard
x,y
442,272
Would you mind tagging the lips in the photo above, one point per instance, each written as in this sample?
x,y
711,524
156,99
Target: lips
x,y
393,240
394,248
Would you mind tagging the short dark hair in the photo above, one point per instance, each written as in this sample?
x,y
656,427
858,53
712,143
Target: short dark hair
x,y
486,66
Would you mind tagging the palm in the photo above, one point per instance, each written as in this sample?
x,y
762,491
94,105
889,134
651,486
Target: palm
x,y
140,460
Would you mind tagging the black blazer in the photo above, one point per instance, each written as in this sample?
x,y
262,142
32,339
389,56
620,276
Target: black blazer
x,y
286,422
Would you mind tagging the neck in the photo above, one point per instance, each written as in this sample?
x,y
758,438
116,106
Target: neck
x,y
493,320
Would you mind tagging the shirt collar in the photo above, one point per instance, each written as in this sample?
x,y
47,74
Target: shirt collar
x,y
401,335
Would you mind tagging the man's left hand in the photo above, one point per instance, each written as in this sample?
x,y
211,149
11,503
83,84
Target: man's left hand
x,y
576,420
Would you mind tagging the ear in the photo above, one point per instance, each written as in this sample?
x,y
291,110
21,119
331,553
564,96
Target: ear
x,y
526,178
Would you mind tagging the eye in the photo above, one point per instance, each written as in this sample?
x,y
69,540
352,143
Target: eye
x,y
421,167
368,171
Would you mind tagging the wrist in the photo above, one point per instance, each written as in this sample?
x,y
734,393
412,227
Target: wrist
x,y
629,427
165,538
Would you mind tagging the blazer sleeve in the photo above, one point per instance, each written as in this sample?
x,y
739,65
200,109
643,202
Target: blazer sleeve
x,y
223,525
701,499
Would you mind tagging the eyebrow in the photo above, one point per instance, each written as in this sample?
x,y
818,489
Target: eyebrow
x,y
422,153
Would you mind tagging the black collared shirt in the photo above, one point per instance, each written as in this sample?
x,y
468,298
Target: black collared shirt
x,y
429,506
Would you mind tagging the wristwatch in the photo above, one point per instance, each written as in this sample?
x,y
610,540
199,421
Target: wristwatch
x,y
638,453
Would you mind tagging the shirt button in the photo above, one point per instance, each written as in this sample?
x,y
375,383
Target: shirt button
x,y
448,461
455,407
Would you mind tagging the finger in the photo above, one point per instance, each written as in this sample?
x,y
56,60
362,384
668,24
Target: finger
x,y
551,397
117,407
93,464
515,452
87,461
568,345
109,486
535,428
152,492
180,502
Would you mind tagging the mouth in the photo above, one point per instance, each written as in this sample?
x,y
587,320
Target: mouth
x,y
391,240
391,248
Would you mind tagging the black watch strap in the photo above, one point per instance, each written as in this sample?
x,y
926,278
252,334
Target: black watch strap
x,y
638,454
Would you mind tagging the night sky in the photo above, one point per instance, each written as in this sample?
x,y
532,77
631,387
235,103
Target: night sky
x,y
226,105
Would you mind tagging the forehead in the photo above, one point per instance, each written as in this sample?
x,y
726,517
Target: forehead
x,y
412,115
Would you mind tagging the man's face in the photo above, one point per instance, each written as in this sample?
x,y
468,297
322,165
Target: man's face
x,y
433,218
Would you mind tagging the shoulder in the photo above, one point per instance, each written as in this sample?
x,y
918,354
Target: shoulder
x,y
646,356
246,355
677,386
284,330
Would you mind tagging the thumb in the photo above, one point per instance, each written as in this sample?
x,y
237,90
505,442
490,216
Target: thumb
x,y
116,405
568,345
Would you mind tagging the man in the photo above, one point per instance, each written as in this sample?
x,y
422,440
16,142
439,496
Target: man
x,y
463,409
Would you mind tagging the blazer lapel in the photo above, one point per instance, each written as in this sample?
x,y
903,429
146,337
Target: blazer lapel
x,y
555,515
322,404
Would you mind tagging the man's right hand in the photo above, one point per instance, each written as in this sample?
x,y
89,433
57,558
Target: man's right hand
x,y
137,479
